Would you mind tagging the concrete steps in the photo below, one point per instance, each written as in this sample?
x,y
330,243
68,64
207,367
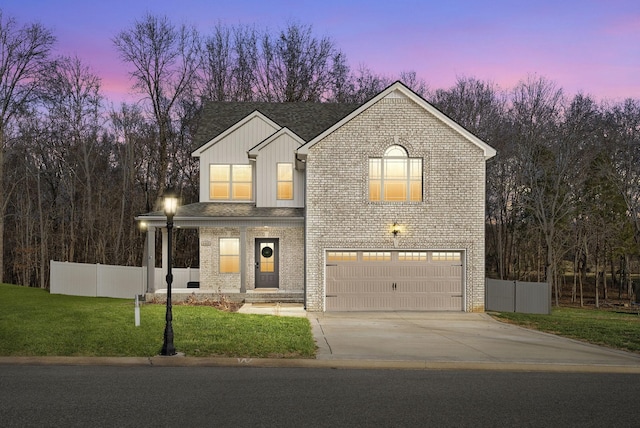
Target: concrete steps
x,y
277,297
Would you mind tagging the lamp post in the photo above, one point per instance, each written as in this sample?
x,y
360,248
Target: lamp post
x,y
170,208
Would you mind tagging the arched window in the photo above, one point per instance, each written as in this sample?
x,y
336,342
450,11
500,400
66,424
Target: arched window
x,y
395,177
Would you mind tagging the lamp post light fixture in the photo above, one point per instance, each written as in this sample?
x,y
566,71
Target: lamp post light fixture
x,y
170,208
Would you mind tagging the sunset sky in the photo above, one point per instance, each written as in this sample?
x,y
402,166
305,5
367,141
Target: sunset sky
x,y
583,45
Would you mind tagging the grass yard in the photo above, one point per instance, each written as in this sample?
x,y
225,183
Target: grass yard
x,y
601,327
36,323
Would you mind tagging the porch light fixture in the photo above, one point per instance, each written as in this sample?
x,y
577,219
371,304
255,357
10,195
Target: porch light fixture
x,y
395,231
170,208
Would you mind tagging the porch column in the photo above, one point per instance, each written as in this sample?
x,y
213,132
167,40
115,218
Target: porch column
x,y
243,259
165,252
150,259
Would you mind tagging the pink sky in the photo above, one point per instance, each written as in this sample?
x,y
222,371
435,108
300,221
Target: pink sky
x,y
583,45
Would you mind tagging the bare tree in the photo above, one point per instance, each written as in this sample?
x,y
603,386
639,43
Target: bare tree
x,y
341,79
218,64
295,66
229,64
23,52
623,136
165,62
73,101
417,85
548,164
481,108
245,42
131,153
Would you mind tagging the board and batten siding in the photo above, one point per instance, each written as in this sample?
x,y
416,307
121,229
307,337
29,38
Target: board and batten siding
x,y
232,149
280,150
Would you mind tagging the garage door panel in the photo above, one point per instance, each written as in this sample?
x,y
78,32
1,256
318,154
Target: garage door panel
x,y
358,287
433,302
358,302
394,284
429,285
363,271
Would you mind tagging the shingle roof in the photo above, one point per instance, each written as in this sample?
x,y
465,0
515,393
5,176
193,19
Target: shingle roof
x,y
307,120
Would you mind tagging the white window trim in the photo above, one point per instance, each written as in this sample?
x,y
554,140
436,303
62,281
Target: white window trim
x,y
409,179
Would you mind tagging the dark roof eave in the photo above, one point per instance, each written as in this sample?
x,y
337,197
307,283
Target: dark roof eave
x,y
217,218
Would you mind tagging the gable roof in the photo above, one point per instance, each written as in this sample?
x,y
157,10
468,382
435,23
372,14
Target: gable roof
x,y
253,115
305,119
398,90
253,152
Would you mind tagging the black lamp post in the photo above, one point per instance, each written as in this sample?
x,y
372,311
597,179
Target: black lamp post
x,y
170,208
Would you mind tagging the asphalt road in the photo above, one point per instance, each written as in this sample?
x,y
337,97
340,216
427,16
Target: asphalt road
x,y
103,396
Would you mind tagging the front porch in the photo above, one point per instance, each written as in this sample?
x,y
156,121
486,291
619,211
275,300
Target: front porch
x,y
247,254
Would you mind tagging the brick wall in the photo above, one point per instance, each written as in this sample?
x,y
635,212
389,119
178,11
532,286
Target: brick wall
x,y
291,247
451,215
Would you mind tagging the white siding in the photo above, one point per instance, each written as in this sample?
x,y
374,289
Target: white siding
x,y
280,150
232,149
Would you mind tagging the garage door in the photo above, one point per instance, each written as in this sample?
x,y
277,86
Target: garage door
x,y
394,281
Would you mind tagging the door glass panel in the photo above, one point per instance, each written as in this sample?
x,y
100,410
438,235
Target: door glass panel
x,y
267,259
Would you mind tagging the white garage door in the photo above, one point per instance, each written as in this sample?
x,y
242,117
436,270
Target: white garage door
x,y
394,281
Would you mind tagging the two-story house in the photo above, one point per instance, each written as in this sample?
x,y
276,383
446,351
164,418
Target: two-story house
x,y
379,206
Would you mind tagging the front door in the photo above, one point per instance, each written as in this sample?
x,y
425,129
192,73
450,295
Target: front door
x,y
267,264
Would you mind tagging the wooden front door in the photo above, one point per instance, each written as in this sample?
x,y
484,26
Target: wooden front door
x,y
267,263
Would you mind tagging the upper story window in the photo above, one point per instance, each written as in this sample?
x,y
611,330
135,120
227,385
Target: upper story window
x,y
231,182
285,181
395,177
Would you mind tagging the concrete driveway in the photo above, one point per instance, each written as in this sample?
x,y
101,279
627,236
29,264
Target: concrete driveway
x,y
405,340
454,339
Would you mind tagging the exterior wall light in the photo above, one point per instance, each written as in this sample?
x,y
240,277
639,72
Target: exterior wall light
x,y
395,231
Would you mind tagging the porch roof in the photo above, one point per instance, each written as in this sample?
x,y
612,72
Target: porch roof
x,y
227,214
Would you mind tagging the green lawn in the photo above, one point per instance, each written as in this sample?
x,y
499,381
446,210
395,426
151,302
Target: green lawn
x,y
609,328
36,323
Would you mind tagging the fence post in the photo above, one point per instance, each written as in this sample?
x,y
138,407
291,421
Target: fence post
x,y
98,280
515,296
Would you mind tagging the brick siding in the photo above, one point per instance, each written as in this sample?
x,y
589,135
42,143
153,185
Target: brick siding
x,y
291,253
451,215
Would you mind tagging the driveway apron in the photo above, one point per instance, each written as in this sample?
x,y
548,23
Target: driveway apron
x,y
450,337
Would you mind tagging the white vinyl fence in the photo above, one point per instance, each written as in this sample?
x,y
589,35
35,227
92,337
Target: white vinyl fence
x,y
96,280
181,277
